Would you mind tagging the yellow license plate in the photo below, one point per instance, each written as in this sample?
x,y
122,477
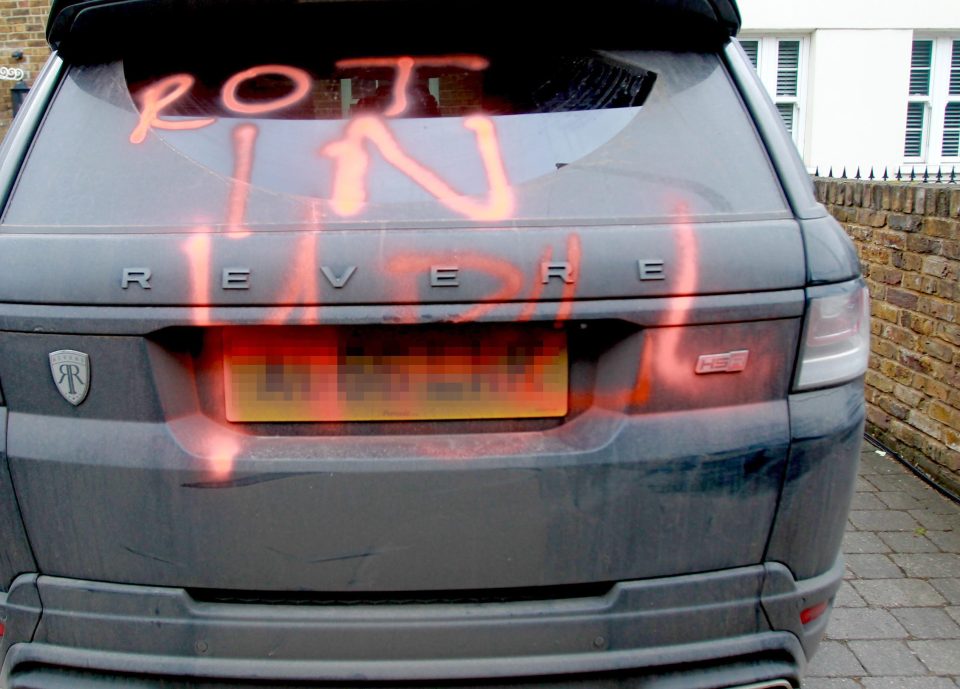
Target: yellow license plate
x,y
394,374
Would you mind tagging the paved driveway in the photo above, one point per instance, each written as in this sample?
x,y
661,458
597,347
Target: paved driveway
x,y
897,619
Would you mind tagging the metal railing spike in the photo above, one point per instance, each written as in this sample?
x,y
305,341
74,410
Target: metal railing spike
x,y
927,174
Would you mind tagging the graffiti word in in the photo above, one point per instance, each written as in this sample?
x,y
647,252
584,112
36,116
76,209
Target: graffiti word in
x,y
350,153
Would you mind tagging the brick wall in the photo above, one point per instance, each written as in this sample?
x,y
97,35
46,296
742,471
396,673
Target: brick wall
x,y
908,239
23,23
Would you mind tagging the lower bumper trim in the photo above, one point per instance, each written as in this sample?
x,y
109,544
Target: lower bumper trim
x,y
731,629
782,648
740,673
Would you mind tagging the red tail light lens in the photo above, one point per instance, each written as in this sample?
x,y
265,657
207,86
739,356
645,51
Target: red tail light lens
x,y
812,613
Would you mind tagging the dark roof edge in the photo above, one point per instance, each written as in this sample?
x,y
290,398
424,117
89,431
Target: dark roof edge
x,y
86,27
728,13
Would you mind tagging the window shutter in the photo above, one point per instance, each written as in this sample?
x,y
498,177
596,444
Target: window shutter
x,y
752,49
913,147
951,129
786,112
788,66
920,68
955,70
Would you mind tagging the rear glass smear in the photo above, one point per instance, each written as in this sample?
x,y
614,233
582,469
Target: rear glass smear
x,y
405,140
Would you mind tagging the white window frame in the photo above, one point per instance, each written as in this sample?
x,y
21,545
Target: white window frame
x,y
931,147
767,67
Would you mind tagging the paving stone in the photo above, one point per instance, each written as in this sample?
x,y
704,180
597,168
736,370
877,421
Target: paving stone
x,y
928,565
941,657
847,597
948,588
833,659
905,683
932,521
883,520
830,683
864,623
873,567
887,658
927,623
954,612
896,617
907,483
898,500
864,542
867,501
938,504
947,541
873,463
898,593
920,490
867,465
907,542
886,482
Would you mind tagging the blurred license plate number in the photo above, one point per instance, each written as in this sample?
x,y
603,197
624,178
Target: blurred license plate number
x,y
287,374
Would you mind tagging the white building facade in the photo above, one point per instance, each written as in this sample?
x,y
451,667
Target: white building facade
x,y
862,83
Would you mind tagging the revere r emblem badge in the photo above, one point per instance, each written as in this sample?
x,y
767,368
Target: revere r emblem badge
x,y
71,373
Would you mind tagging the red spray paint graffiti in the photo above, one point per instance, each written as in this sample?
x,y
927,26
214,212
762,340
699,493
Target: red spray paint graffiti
x,y
352,161
415,265
244,141
301,88
349,153
156,98
197,250
661,364
302,280
661,359
570,286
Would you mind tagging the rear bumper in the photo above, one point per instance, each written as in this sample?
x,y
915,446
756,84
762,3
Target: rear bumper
x,y
712,629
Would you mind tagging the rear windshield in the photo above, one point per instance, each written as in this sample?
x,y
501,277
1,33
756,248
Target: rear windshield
x,y
407,140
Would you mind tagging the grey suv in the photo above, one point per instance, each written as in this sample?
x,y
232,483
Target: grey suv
x,y
409,344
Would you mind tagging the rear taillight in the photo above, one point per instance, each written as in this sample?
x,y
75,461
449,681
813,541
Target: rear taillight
x,y
813,613
836,339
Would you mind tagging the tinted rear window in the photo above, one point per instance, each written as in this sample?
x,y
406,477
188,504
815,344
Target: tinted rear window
x,y
396,140
398,86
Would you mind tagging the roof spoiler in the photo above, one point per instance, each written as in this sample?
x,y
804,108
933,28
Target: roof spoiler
x,y
88,30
